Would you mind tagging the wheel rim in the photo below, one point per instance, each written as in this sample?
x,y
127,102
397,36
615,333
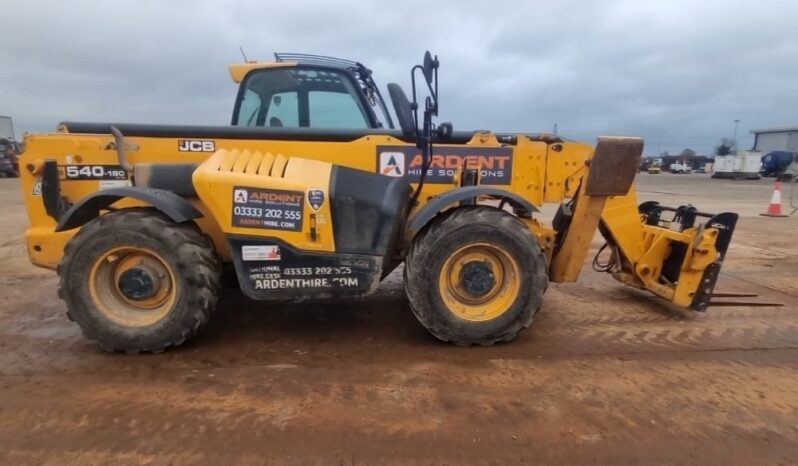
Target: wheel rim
x,y
479,282
133,286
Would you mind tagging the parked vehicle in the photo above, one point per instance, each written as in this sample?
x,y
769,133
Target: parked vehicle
x,y
742,165
775,162
680,168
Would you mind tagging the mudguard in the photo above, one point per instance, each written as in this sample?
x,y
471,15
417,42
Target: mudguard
x,y
88,208
523,207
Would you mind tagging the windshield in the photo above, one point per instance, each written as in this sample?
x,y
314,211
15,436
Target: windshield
x,y
301,97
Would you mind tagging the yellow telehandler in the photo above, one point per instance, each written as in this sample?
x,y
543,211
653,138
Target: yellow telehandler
x,y
312,192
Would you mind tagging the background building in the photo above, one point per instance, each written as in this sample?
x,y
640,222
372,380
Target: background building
x,y
6,128
783,139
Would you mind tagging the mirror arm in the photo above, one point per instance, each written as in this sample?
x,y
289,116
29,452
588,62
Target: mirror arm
x,y
436,88
415,95
432,91
424,140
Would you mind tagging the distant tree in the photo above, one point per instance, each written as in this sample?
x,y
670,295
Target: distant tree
x,y
725,147
687,153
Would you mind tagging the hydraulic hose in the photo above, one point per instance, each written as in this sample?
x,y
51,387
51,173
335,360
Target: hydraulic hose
x,y
120,149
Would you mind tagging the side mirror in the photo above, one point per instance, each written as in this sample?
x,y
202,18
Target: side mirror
x,y
429,67
404,110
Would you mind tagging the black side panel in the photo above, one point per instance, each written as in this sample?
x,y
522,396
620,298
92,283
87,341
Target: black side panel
x,y
269,269
725,222
51,190
703,295
88,208
367,210
174,177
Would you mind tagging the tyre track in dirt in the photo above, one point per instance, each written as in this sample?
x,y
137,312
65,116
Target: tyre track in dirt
x,y
606,402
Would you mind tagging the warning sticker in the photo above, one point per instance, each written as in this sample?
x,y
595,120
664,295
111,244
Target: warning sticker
x,y
260,253
270,209
109,184
316,198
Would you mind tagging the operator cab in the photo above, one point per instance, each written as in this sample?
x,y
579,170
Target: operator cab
x,y
309,91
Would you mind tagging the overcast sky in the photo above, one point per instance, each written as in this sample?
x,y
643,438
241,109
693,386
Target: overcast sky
x,y
675,72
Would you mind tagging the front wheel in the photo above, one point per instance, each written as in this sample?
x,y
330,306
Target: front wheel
x,y
135,281
475,275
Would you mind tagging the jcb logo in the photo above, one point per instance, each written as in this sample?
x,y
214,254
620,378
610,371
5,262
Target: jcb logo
x,y
194,145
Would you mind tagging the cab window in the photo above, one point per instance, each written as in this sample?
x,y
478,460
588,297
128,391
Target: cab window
x,y
300,97
248,110
334,110
283,110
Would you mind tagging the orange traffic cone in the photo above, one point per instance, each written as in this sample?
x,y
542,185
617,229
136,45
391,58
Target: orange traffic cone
x,y
774,208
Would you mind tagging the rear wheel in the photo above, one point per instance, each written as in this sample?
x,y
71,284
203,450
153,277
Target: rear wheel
x,y
135,281
475,275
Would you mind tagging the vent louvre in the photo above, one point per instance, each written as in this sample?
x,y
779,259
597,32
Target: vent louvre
x,y
252,162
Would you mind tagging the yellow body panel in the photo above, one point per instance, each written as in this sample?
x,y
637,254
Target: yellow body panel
x,y
240,70
646,246
529,176
567,266
218,177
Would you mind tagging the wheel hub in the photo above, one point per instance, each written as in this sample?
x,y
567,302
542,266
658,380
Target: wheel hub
x,y
138,283
133,286
479,281
477,278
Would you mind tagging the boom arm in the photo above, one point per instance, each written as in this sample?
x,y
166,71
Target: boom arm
x,y
677,259
610,172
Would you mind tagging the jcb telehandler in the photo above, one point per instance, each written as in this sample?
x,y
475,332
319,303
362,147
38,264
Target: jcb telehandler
x,y
312,193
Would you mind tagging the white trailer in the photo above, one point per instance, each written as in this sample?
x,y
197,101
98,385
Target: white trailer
x,y
744,164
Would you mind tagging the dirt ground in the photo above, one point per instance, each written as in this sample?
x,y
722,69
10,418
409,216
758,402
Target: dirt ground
x,y
605,375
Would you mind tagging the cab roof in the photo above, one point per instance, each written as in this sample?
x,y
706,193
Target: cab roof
x,y
239,71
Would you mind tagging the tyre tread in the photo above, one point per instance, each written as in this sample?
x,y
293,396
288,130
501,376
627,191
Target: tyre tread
x,y
186,240
446,223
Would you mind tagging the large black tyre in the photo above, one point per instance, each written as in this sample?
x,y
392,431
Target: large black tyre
x,y
516,282
135,281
